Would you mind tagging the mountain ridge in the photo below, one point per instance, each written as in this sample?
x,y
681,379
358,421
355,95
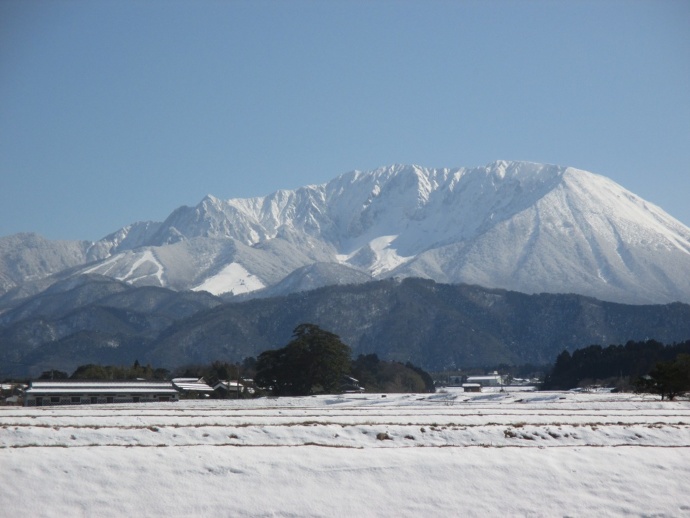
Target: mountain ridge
x,y
511,225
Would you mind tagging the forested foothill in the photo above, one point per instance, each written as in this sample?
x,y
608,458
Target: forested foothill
x,y
647,366
439,327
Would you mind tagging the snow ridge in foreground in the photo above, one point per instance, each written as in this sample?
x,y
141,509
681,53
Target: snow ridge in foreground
x,y
536,454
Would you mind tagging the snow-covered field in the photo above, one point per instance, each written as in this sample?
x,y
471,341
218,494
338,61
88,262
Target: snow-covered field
x,y
444,454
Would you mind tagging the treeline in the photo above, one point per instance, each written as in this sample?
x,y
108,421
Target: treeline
x,y
91,371
215,370
620,366
375,375
670,379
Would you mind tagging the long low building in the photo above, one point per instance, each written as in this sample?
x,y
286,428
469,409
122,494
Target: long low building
x,y
494,380
44,393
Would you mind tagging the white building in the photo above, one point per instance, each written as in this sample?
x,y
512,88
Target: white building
x,y
44,393
493,380
193,386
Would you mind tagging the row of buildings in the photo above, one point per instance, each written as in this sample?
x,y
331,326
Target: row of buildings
x,y
69,392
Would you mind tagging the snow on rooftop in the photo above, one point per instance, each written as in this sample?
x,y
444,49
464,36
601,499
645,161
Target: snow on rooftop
x,y
86,383
192,384
94,389
99,387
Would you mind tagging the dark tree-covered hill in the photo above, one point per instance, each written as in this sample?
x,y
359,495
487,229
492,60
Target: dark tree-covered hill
x,y
435,326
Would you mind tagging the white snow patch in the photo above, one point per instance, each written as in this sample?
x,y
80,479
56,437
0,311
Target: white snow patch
x,y
387,258
146,257
104,267
344,258
233,278
114,263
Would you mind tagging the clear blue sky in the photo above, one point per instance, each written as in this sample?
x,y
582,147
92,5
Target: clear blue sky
x,y
119,111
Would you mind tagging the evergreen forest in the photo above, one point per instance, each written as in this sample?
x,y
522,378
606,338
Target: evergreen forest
x,y
641,366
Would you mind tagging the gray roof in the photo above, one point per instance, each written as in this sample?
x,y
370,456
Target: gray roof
x,y
100,387
192,384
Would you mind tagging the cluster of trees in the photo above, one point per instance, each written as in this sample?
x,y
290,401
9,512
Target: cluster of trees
x,y
317,362
670,379
620,365
381,376
92,371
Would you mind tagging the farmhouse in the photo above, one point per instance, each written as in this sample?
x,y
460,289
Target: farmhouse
x,y
493,380
193,387
471,387
44,393
351,384
233,388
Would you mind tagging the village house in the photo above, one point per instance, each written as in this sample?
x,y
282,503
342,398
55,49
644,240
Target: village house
x,y
490,380
493,380
45,393
193,387
351,385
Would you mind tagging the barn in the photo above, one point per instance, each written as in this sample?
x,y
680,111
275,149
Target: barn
x,y
46,393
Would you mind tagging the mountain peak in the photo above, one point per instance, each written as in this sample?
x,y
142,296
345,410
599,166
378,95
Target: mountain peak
x,y
209,199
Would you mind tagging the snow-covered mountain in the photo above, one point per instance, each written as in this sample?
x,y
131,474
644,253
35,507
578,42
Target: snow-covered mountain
x,y
513,225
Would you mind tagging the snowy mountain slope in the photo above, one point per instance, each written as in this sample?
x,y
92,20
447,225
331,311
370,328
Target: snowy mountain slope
x,y
586,235
213,264
514,225
29,257
313,276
